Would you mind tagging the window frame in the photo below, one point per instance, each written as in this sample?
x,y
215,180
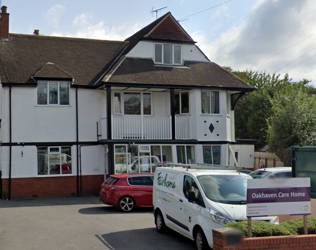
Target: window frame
x,y
186,154
210,102
172,54
122,104
180,93
212,152
51,152
48,93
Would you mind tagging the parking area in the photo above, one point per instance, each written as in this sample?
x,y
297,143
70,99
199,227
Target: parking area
x,y
80,223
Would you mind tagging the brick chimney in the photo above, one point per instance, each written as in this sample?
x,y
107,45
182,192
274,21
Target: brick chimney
x,y
36,32
4,23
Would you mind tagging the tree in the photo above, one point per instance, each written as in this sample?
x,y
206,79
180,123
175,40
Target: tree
x,y
293,121
253,109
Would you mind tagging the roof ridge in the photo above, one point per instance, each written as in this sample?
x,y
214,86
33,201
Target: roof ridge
x,y
65,38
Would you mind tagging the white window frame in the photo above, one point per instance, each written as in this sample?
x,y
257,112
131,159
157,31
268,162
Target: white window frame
x,y
114,111
60,161
210,103
58,97
141,103
172,53
185,153
212,152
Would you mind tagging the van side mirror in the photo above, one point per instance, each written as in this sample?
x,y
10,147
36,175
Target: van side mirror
x,y
191,196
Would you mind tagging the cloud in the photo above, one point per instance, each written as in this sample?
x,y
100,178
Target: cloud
x,y
261,42
53,15
86,29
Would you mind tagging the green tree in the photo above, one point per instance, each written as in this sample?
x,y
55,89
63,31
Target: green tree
x,y
293,120
253,109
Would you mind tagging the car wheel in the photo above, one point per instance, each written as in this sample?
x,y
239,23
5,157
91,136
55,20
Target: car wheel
x,y
200,240
126,204
160,224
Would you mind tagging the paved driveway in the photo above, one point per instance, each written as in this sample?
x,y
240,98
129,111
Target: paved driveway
x,y
80,223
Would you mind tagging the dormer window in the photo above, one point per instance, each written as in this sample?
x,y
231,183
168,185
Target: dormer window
x,y
168,54
52,93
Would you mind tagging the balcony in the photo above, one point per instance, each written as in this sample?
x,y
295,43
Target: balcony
x,y
146,128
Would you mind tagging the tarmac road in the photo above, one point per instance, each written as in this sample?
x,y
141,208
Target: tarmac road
x,y
80,223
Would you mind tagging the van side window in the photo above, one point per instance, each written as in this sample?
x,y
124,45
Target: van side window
x,y
190,184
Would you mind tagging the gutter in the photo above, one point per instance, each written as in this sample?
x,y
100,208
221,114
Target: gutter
x,y
10,143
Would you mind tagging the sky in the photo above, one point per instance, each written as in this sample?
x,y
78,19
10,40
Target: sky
x,y
271,36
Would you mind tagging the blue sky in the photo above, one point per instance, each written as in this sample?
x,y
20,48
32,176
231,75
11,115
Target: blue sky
x,y
265,35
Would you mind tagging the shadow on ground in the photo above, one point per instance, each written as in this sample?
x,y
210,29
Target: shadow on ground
x,y
144,239
51,201
105,209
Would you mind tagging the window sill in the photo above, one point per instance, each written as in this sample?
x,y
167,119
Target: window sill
x,y
52,105
55,175
210,115
172,66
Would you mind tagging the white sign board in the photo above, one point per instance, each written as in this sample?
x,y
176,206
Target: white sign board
x,y
278,196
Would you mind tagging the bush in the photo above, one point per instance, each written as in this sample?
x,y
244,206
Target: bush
x,y
262,228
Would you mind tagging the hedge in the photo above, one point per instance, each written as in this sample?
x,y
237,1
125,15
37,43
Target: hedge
x,y
262,228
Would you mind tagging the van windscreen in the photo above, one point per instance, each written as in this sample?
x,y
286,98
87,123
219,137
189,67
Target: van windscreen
x,y
229,189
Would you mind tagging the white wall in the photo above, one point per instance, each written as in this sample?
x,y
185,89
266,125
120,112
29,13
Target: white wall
x,y
146,49
245,155
40,123
93,160
91,107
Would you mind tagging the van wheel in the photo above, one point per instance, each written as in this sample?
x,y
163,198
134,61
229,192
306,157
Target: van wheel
x,y
200,240
126,204
160,224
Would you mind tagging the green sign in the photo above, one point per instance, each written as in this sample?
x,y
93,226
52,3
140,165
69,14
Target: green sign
x,y
162,181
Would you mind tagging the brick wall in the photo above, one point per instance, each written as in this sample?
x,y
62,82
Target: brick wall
x,y
52,186
299,242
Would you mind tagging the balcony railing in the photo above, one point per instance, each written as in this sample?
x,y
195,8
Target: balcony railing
x,y
156,128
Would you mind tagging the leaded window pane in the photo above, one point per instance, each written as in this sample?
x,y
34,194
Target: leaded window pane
x,y
167,53
64,93
177,54
158,53
215,102
53,93
147,103
117,103
207,154
132,103
42,93
185,102
205,102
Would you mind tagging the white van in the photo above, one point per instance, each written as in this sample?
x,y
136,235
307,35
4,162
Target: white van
x,y
192,201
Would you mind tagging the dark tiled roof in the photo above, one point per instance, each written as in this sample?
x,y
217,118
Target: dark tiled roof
x,y
51,70
203,74
22,56
165,28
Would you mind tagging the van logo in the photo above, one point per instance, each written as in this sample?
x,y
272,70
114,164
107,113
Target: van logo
x,y
162,181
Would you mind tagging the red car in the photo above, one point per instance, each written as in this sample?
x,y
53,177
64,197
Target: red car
x,y
128,191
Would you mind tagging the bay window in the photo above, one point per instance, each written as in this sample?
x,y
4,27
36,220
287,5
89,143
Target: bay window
x,y
209,102
52,93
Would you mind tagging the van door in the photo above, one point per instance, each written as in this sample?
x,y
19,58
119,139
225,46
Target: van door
x,y
190,211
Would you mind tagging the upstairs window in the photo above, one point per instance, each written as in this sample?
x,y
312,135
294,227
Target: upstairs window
x,y
132,103
210,102
182,103
168,54
52,93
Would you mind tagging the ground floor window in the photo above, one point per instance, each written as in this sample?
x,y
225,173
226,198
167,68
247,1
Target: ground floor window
x,y
140,158
54,160
186,154
212,155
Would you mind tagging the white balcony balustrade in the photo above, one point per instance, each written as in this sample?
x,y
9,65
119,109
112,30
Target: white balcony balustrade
x,y
154,128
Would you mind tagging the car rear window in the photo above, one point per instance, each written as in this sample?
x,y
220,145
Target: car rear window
x,y
111,181
141,181
260,174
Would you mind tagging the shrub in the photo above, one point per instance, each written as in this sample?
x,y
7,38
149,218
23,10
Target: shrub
x,y
297,226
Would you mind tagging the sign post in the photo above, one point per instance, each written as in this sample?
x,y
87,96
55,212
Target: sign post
x,y
277,197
